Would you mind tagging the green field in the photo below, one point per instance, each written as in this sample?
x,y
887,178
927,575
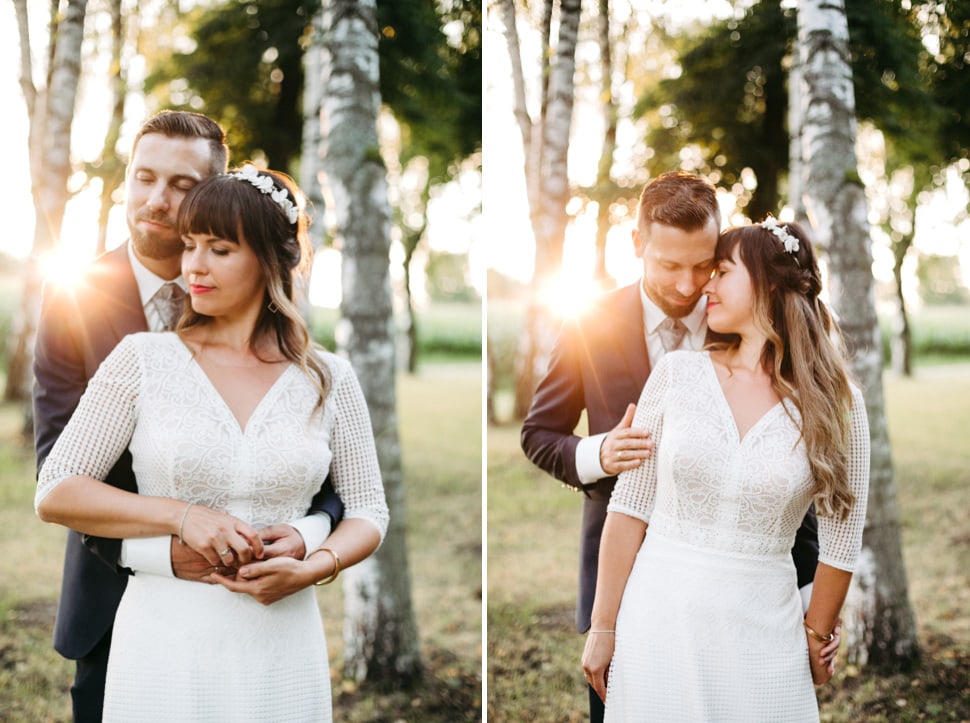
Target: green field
x,y
444,507
533,533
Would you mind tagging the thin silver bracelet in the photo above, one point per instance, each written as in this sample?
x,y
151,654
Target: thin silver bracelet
x,y
596,632
182,521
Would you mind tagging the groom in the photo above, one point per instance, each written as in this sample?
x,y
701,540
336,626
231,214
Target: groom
x,y
601,362
136,287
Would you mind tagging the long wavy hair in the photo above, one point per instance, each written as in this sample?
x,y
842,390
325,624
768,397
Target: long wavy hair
x,y
232,208
804,353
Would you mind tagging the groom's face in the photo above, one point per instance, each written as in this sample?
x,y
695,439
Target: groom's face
x,y
676,264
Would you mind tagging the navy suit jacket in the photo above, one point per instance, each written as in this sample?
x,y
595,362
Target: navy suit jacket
x,y
79,325
599,365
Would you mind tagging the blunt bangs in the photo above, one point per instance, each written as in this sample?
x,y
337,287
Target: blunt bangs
x,y
214,207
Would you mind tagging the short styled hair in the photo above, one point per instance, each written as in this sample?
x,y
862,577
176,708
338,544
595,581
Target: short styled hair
x,y
182,124
679,199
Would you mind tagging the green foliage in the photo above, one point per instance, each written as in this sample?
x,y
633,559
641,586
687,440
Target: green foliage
x,y
432,82
731,101
504,326
246,71
947,72
445,330
448,277
940,280
939,334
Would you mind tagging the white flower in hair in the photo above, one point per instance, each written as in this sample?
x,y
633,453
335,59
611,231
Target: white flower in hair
x,y
264,184
781,232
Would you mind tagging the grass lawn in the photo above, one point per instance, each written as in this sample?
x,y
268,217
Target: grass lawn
x,y
444,507
533,534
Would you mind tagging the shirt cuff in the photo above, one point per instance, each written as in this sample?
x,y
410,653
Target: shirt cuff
x,y
314,529
588,459
806,593
151,555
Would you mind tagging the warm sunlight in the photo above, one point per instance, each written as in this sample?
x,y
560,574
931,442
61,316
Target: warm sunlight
x,y
61,267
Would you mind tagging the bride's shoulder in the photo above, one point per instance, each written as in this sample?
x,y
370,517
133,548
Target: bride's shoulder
x,y
337,366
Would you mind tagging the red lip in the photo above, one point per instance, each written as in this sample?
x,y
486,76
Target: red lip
x,y
196,290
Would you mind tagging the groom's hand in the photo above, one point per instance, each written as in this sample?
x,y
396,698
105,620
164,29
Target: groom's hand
x,y
282,541
187,564
625,447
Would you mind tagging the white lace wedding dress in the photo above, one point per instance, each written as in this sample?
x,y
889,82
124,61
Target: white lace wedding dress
x,y
185,651
710,624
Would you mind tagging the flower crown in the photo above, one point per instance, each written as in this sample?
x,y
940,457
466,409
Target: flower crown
x,y
791,243
264,184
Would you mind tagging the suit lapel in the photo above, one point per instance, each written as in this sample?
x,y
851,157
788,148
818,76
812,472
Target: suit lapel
x,y
120,297
110,307
631,340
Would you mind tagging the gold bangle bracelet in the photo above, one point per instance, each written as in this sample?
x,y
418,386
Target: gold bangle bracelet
x,y
336,567
820,638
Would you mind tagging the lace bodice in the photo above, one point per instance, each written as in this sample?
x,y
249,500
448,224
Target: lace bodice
x,y
705,486
151,396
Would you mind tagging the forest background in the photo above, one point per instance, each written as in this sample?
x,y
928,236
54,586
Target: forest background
x,y
606,95
406,134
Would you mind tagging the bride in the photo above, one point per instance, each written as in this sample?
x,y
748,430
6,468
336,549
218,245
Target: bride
x,y
697,616
233,422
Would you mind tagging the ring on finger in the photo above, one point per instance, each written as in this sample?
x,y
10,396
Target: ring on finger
x,y
225,552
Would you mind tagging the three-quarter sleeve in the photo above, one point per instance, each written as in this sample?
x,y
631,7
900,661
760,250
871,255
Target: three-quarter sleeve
x,y
841,540
101,427
355,470
636,490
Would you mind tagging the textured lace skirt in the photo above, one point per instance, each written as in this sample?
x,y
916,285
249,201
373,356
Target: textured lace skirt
x,y
708,635
186,651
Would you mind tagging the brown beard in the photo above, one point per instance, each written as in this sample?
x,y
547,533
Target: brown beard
x,y
155,246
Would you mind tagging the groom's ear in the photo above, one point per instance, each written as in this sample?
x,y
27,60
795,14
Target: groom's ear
x,y
637,245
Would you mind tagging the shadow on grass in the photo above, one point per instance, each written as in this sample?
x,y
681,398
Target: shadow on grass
x,y
938,689
448,691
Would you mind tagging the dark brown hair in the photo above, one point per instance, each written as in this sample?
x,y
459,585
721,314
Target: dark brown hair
x,y
230,207
182,124
803,354
679,199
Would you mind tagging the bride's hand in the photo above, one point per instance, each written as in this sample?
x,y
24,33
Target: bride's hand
x,y
268,581
596,660
221,539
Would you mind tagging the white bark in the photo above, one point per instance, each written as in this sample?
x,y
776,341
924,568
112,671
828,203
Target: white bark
x,y
879,624
380,634
545,147
50,112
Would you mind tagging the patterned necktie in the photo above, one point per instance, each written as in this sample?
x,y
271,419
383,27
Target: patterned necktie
x,y
672,333
168,302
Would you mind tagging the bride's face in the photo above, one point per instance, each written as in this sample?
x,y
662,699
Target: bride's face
x,y
730,297
224,277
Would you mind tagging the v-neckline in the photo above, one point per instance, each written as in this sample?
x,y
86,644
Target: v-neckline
x,y
242,427
726,406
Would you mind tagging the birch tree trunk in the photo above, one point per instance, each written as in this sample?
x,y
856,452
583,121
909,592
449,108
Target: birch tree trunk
x,y
50,112
604,180
380,634
879,627
111,169
310,159
545,144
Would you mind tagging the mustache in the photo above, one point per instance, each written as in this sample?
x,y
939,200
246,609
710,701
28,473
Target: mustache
x,y
155,217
